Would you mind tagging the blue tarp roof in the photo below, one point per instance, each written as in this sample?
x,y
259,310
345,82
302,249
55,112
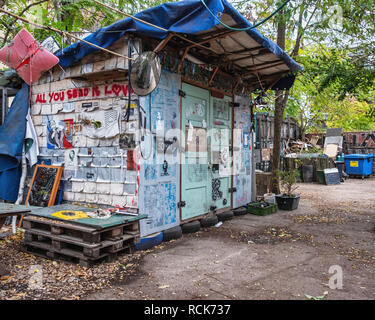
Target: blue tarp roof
x,y
185,17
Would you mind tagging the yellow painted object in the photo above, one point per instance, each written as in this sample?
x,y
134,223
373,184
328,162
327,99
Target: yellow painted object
x,y
70,215
354,164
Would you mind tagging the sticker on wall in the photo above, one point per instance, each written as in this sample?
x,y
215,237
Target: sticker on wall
x,y
125,110
195,110
100,124
90,105
71,157
150,172
221,110
127,141
246,138
224,168
68,133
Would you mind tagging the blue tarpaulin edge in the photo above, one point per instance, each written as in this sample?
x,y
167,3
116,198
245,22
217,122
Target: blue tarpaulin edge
x,y
12,135
185,17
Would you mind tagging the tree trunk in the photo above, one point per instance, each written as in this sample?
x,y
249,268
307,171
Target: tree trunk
x,y
280,103
279,112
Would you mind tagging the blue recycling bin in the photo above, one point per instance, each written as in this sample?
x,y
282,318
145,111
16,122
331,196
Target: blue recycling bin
x,y
358,164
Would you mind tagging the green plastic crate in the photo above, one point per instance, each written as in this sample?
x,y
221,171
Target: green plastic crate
x,y
254,208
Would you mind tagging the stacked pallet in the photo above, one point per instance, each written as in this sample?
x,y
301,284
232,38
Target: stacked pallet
x,y
78,243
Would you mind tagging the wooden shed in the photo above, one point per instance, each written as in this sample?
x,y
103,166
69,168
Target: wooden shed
x,y
185,150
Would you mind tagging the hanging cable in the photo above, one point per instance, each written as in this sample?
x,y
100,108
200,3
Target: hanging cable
x,y
247,28
63,33
130,16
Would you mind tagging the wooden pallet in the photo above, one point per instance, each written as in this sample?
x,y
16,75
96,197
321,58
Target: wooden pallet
x,y
81,232
68,245
76,243
84,261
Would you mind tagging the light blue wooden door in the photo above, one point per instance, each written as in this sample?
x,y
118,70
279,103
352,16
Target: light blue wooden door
x,y
220,154
194,168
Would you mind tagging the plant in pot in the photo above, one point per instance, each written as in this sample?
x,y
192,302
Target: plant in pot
x,y
287,200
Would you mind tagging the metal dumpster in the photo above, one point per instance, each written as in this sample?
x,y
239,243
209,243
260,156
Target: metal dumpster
x,y
358,164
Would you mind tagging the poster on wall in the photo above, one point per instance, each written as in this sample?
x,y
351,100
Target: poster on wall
x,y
59,134
242,155
160,173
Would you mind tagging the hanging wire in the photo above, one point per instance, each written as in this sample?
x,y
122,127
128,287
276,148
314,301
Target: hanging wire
x,y
63,33
247,28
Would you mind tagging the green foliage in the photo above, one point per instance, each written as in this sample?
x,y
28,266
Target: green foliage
x,y
287,180
337,87
75,16
318,96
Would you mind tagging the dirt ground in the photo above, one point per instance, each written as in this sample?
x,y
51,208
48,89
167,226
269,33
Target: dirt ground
x,y
286,255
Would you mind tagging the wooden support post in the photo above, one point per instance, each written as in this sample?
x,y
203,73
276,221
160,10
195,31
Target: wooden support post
x,y
163,43
236,85
183,58
213,76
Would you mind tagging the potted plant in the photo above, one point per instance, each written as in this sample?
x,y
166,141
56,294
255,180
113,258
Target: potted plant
x,y
287,200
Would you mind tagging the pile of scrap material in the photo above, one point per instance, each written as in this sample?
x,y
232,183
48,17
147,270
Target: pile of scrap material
x,y
294,148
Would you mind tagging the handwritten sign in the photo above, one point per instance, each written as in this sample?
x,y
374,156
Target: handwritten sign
x,y
114,90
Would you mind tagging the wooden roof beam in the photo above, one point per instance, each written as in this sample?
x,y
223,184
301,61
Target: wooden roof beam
x,y
222,35
246,50
261,53
163,43
266,67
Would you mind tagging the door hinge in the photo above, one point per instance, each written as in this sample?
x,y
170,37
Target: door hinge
x,y
230,148
181,204
181,93
231,190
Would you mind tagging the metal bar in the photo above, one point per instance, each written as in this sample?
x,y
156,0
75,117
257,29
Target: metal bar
x,y
4,104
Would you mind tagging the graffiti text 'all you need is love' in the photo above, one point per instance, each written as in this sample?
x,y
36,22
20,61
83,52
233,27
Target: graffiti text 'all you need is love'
x,y
114,90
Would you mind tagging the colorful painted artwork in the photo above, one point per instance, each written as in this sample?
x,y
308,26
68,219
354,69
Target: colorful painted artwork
x,y
170,210
242,157
159,174
59,134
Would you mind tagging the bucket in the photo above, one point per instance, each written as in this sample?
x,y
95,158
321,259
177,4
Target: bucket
x,y
269,198
307,173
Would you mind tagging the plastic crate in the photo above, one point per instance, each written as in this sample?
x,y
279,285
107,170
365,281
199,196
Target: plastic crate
x,y
255,208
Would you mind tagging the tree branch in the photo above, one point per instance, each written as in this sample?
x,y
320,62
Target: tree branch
x,y
20,14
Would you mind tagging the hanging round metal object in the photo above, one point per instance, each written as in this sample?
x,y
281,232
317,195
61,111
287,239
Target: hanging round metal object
x,y
145,73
